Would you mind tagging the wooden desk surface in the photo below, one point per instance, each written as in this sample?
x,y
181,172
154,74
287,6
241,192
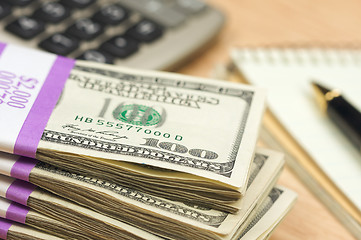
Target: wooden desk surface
x,y
285,23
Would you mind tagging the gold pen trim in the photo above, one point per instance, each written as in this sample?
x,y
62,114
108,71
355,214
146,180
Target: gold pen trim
x,y
320,98
323,97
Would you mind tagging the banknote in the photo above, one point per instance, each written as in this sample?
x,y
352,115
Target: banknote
x,y
182,134
272,211
91,223
165,153
22,214
118,201
200,127
11,230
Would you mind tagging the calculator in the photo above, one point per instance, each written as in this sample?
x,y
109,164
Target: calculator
x,y
149,34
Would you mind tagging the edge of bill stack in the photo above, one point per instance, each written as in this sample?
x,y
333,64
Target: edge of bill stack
x,y
109,198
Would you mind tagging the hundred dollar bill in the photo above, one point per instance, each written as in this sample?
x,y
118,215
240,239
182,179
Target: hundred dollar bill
x,y
272,211
203,130
11,230
22,214
141,209
93,224
170,131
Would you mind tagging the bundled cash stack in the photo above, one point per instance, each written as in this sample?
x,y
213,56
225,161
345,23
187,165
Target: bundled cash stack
x,y
93,151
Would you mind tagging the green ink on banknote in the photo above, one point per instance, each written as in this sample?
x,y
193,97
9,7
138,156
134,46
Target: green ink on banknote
x,y
139,115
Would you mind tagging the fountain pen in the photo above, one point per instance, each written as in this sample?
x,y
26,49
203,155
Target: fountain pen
x,y
341,112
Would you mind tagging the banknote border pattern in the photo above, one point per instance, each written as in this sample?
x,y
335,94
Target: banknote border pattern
x,y
226,168
163,204
273,196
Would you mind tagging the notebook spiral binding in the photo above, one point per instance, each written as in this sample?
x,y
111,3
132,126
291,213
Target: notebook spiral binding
x,y
314,56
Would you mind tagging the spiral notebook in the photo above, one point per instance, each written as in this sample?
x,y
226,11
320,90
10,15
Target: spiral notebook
x,y
327,162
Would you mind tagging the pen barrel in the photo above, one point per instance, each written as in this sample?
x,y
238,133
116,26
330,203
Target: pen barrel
x,y
347,117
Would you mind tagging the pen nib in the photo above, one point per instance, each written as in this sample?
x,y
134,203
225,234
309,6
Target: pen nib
x,y
320,93
320,89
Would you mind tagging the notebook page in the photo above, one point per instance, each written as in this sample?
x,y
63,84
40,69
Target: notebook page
x,y
287,74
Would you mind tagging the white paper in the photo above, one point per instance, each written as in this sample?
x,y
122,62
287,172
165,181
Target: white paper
x,y
287,74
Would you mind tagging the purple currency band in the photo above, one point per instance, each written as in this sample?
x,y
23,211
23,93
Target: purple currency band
x,y
2,47
35,123
17,212
4,227
19,191
22,168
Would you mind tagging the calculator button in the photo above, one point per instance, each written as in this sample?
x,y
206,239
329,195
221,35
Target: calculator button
x,y
5,9
169,17
53,12
120,46
19,2
145,31
190,6
97,56
77,3
85,29
111,14
160,11
59,44
25,27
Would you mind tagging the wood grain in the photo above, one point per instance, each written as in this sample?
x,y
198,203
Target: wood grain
x,y
309,219
284,23
281,23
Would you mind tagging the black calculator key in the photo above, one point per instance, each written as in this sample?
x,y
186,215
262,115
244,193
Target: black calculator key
x,y
111,14
5,9
120,46
59,44
145,31
85,29
77,3
97,56
19,2
26,27
52,12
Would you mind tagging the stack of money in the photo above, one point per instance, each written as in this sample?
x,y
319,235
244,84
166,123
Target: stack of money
x,y
156,132
118,153
202,223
